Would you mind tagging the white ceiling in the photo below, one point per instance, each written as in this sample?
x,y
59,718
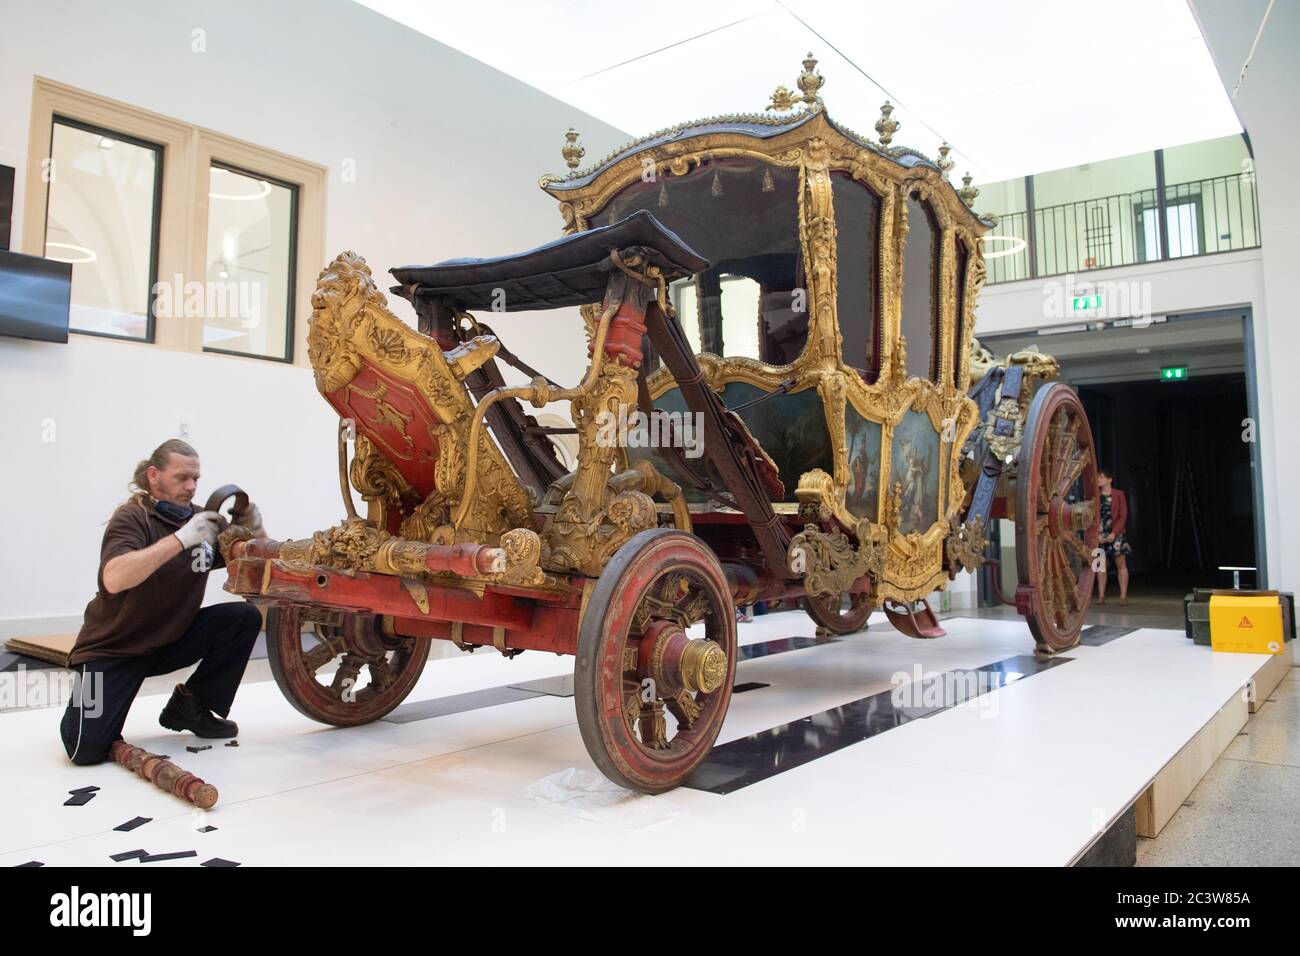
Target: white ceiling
x,y
1017,86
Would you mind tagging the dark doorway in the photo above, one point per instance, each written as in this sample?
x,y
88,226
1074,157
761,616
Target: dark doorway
x,y
1177,452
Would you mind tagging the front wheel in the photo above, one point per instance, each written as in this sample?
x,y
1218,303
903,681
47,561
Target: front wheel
x,y
651,698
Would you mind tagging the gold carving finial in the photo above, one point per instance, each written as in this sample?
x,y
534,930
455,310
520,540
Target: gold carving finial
x,y
967,191
886,126
945,161
809,82
572,150
782,99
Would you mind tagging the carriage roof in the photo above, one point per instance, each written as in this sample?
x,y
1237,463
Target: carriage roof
x,y
804,117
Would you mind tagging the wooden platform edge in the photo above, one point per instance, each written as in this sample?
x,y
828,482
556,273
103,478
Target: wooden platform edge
x,y
1175,781
1270,675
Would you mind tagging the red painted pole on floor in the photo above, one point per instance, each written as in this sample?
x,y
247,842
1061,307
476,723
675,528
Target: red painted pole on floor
x,y
164,774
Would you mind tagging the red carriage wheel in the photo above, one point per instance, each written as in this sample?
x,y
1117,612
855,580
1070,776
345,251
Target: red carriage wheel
x,y
831,613
650,697
375,671
1057,518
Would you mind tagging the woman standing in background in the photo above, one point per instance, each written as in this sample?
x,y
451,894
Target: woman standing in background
x,y
1114,518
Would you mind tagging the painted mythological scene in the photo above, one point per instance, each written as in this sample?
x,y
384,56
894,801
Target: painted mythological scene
x,y
862,497
915,466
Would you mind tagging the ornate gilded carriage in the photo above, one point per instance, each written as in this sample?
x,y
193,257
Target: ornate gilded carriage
x,y
785,401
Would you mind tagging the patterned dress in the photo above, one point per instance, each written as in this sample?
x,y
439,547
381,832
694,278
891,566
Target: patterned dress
x,y
1120,545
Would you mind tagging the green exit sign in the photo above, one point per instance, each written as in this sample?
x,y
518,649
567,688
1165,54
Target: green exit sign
x,y
1173,373
1086,303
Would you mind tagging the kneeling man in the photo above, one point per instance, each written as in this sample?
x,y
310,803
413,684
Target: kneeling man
x,y
146,618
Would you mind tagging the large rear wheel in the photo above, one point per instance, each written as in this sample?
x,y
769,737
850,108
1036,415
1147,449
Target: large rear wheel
x,y
1057,518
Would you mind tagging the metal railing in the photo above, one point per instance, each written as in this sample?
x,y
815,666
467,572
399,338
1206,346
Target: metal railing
x,y
1220,214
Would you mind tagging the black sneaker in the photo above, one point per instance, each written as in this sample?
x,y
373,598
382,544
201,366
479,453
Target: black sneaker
x,y
184,712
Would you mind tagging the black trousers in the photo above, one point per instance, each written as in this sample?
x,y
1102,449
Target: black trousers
x,y
220,639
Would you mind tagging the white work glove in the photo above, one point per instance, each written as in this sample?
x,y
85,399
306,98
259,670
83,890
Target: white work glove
x,y
202,527
250,519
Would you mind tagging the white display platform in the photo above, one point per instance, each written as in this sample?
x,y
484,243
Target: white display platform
x,y
1029,774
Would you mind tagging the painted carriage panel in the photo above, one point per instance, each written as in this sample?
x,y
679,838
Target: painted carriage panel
x,y
915,462
394,415
862,495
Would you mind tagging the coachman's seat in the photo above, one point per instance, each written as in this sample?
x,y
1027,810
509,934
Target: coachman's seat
x,y
570,271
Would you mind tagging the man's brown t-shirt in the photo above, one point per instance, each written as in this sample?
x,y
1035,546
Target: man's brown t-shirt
x,y
159,609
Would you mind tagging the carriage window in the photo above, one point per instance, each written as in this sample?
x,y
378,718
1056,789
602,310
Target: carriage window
x,y
919,300
963,257
857,228
743,217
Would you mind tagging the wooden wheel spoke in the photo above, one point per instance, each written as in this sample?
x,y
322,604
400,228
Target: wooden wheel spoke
x,y
652,726
318,657
1076,545
382,674
684,709
1072,473
345,678
1067,577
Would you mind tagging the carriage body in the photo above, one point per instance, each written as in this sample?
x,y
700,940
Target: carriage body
x,y
796,304
857,390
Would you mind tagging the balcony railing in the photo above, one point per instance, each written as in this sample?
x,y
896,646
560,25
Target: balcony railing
x,y
1195,218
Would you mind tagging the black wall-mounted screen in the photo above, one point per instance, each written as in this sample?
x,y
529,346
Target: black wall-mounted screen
x,y
6,204
35,296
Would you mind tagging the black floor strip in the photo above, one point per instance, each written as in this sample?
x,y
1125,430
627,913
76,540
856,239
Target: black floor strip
x,y
749,685
561,686
1100,634
780,645
741,763
458,704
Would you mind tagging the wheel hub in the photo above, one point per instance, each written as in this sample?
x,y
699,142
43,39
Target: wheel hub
x,y
674,661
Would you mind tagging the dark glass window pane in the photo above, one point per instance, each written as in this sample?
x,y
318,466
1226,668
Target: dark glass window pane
x,y
743,216
857,228
963,257
918,288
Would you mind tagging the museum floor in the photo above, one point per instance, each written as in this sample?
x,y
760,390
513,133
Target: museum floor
x,y
816,764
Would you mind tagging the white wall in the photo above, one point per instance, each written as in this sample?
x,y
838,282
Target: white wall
x,y
447,153
1270,112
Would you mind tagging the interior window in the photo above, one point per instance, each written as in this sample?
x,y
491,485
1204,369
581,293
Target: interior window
x,y
103,216
742,216
857,229
919,299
